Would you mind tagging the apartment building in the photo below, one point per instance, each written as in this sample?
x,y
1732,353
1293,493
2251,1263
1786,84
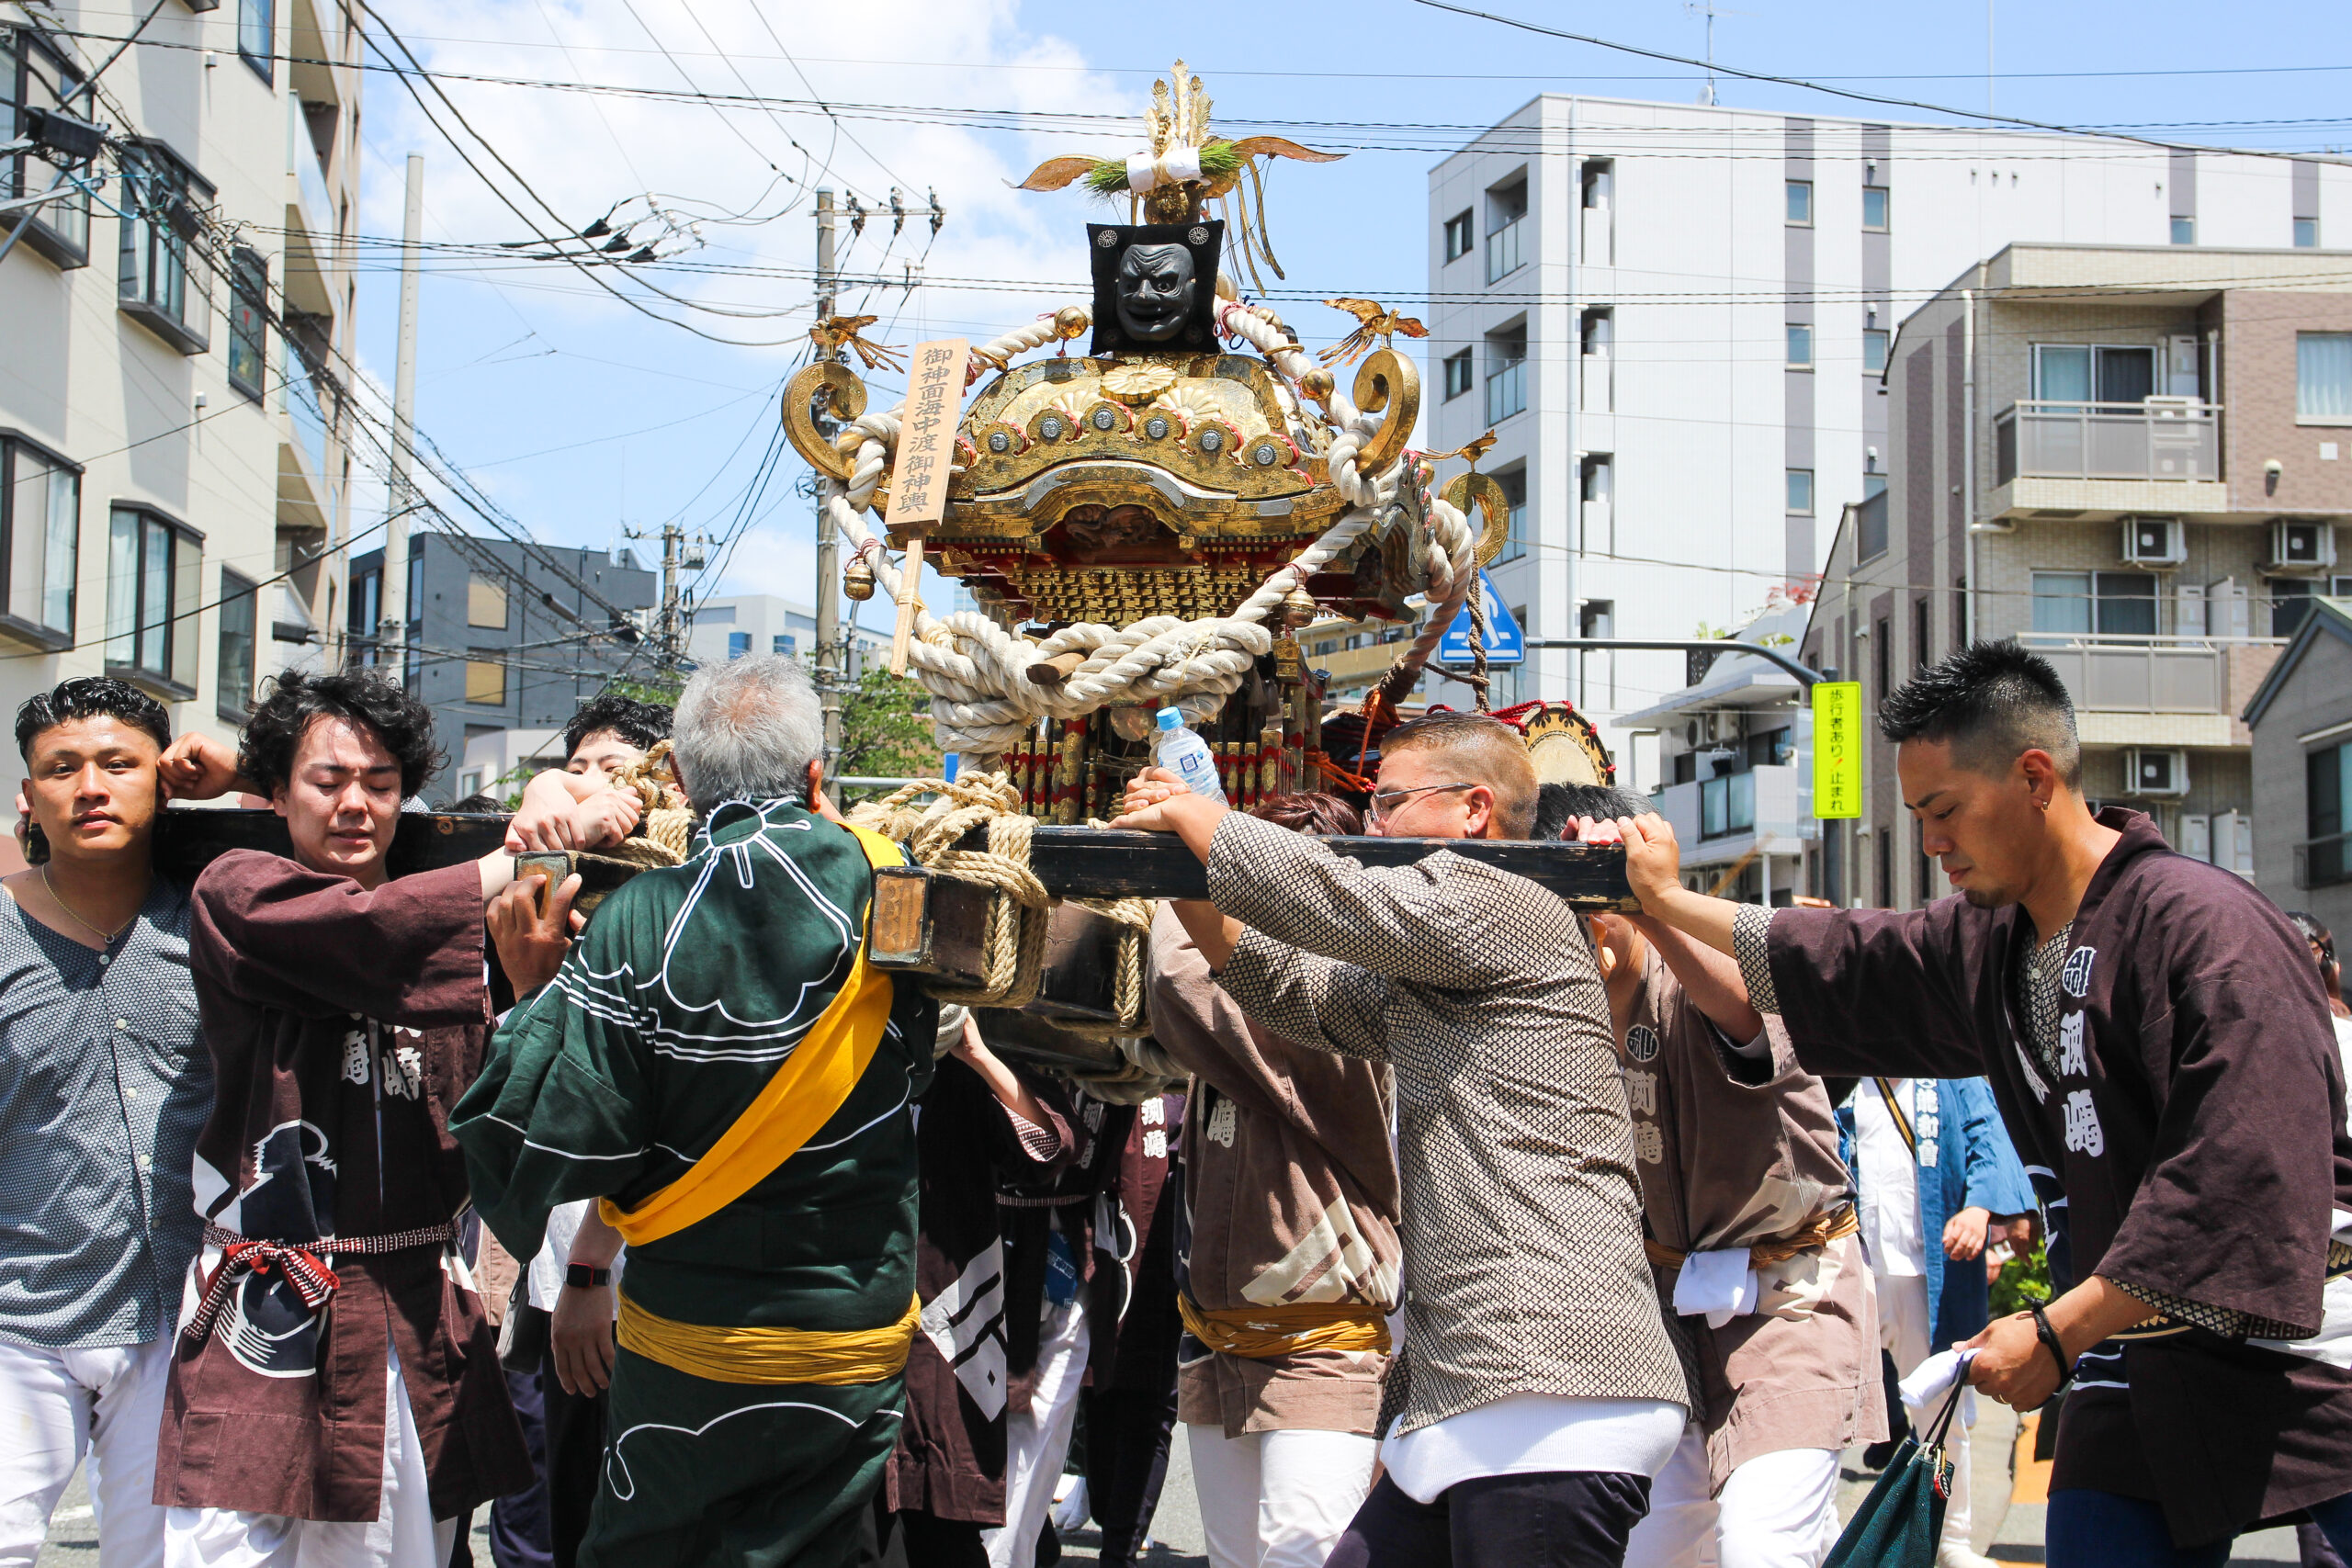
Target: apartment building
x,y
1676,318
502,637
2134,460
176,469
731,628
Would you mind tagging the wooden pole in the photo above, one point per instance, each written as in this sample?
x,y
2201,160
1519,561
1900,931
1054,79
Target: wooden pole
x,y
910,594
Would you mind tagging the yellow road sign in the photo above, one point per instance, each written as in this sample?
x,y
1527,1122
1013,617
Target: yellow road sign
x,y
1837,742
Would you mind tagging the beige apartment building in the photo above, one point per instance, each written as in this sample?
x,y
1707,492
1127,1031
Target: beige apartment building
x,y
175,469
2135,459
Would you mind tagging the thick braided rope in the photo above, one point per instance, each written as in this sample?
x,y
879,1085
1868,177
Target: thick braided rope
x,y
1013,945
1133,916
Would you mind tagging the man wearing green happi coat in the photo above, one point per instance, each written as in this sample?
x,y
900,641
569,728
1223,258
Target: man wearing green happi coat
x,y
716,1061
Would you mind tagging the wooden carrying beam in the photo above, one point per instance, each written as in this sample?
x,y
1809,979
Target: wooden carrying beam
x,y
1073,862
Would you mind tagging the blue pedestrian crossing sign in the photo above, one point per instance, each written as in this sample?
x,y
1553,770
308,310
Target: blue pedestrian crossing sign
x,y
1506,643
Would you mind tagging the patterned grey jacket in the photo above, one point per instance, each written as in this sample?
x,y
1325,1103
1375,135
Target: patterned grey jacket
x,y
1523,1264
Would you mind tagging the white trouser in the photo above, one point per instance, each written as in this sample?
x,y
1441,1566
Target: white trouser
x,y
1035,1444
1779,1510
1903,1319
1278,1499
57,1406
404,1534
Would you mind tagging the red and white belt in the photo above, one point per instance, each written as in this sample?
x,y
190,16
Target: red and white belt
x,y
299,1263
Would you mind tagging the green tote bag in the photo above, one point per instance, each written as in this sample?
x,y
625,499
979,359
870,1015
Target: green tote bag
x,y
1900,1522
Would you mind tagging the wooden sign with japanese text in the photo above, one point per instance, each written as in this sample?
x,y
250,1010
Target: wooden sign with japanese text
x,y
918,475
1837,742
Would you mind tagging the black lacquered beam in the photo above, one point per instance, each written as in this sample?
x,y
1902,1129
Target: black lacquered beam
x,y
1073,862
1102,863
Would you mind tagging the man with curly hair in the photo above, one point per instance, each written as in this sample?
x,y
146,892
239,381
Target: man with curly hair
x,y
335,1395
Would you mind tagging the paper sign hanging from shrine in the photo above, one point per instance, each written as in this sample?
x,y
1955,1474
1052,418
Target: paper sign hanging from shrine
x,y
927,432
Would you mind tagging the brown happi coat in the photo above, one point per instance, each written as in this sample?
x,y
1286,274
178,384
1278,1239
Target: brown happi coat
x,y
2192,1144
1292,1192
1735,1153
343,1025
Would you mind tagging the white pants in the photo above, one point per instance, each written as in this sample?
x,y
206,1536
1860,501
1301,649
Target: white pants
x,y
1278,1499
1779,1510
1903,1319
57,1406
1035,1444
404,1534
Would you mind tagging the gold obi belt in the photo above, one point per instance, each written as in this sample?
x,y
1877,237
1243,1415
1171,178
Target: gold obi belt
x,y
770,1355
1259,1333
1820,1233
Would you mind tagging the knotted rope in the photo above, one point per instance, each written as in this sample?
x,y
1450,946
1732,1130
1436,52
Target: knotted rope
x,y
1133,916
666,832
1013,943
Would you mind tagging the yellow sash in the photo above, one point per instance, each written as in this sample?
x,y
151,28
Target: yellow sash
x,y
770,1355
808,1089
1257,1333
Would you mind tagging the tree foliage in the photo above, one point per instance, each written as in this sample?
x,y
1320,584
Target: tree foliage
x,y
886,728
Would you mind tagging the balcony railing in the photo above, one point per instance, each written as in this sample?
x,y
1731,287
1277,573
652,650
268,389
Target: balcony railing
x,y
2152,674
1765,801
1503,256
1507,391
2163,438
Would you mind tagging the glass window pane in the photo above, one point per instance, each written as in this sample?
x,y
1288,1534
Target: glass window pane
x,y
2062,602
2127,604
154,596
187,561
2323,375
2183,231
2290,602
61,550
122,585
1800,492
2306,233
238,618
2061,373
2126,374
486,678
27,508
247,330
1800,201
1874,349
1874,206
485,600
1800,346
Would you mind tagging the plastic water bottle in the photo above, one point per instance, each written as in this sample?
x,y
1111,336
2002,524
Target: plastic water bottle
x,y
1187,756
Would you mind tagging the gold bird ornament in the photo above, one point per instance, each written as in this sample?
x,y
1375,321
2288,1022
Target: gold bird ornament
x,y
1378,321
1469,451
836,332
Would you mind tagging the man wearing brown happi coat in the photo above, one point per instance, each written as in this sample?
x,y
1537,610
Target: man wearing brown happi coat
x,y
335,1396
2154,1030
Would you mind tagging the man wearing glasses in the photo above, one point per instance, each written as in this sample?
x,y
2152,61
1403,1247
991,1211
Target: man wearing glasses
x,y
1538,1393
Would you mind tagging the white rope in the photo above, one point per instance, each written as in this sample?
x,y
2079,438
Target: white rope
x,y
982,700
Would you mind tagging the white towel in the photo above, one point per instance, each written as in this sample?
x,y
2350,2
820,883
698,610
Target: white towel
x,y
1933,1378
1720,1284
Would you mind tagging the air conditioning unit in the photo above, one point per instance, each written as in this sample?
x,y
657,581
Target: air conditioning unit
x,y
1710,728
2155,541
2156,770
2310,545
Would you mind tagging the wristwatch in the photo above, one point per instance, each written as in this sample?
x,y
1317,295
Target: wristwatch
x,y
581,1277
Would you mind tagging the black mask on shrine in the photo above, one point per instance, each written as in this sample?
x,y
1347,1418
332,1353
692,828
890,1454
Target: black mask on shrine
x,y
1155,285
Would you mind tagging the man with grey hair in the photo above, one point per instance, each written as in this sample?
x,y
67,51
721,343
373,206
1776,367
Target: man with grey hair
x,y
718,1064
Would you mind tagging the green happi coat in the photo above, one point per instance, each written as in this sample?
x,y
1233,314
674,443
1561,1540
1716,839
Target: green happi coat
x,y
687,992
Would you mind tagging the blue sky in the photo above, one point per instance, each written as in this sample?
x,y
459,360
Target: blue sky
x,y
581,416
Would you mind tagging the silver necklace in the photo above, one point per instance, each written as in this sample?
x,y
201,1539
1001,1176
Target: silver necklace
x,y
104,936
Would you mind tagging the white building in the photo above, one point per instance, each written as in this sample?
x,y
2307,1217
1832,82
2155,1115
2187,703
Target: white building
x,y
173,470
1676,318
721,629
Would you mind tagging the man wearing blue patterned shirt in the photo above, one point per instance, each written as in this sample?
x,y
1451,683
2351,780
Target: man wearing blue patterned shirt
x,y
103,1083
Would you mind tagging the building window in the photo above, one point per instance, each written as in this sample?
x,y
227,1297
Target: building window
x,y
164,281
2323,377
486,676
240,615
1514,485
1874,350
1594,181
2087,373
1457,236
485,600
1883,635
787,645
2306,234
1922,634
1873,483
2327,812
151,598
33,76
1874,208
1800,346
258,35
2103,604
1506,377
1801,201
2183,231
41,527
248,326
1800,497
1457,374
738,644
1506,210
1870,525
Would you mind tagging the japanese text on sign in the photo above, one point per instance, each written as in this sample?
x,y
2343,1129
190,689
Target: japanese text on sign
x,y
1837,749
927,433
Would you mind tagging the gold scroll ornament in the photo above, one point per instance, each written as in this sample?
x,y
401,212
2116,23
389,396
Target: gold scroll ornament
x,y
919,477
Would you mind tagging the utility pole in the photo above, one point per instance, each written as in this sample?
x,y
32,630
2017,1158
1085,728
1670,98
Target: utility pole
x,y
833,662
678,553
391,631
